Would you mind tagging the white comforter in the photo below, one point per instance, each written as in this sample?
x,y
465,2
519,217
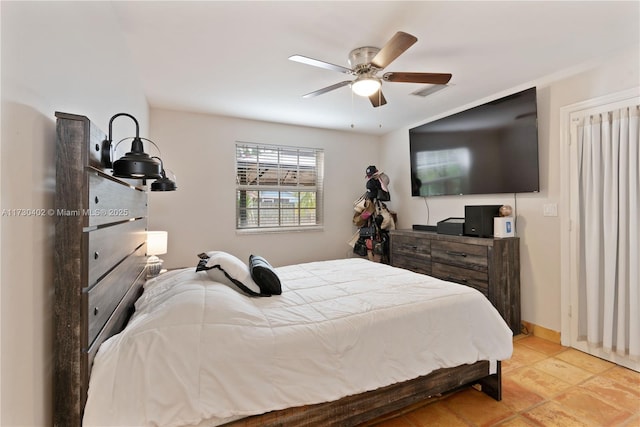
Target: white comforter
x,y
196,349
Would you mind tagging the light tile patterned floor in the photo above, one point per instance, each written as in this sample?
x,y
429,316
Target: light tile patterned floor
x,y
543,384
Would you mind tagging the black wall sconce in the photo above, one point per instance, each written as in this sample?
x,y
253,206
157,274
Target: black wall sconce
x,y
164,183
136,163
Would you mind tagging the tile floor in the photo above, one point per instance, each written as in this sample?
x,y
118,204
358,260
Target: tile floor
x,y
543,384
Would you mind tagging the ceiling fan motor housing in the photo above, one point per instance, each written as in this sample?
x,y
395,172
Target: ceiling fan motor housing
x,y
360,58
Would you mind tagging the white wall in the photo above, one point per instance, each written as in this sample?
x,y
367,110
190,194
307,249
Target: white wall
x,y
56,56
200,216
539,235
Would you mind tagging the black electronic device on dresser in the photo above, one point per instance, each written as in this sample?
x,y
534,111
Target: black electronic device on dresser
x,y
452,226
490,265
478,220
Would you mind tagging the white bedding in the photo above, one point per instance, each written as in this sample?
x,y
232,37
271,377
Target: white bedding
x,y
197,350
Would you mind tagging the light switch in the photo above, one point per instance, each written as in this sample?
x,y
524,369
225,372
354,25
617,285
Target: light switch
x,y
550,209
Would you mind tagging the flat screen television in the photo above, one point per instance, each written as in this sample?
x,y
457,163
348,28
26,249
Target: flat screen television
x,y
488,149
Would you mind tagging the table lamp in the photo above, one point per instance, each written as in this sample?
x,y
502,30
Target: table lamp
x,y
156,245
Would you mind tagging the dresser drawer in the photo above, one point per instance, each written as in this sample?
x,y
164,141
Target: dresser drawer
x,y
472,257
419,265
411,247
411,253
473,278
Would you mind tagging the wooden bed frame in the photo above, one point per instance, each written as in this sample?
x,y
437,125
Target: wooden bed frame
x,y
100,245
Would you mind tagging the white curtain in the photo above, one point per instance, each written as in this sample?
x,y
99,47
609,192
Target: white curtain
x,y
609,259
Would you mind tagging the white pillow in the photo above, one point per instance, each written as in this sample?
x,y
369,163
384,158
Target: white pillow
x,y
225,268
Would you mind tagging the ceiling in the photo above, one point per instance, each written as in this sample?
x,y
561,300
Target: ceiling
x,y
231,58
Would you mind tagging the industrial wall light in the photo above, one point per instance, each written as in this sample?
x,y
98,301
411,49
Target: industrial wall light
x,y
164,183
136,163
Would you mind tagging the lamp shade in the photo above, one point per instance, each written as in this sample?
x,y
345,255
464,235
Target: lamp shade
x,y
164,183
157,242
365,86
137,163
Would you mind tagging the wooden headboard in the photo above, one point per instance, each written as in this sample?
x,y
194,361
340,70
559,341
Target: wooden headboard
x,y
99,258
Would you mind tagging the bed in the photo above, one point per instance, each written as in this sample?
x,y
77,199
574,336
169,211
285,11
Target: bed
x,y
346,342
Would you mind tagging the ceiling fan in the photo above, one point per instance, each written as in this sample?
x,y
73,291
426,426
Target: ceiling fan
x,y
366,62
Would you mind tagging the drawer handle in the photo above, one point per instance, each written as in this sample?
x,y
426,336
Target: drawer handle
x,y
451,279
462,254
415,248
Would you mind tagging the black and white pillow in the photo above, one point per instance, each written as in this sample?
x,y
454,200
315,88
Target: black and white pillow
x,y
227,269
264,275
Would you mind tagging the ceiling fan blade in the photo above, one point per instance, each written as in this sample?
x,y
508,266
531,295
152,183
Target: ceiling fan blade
x,y
377,99
430,78
321,64
400,42
327,89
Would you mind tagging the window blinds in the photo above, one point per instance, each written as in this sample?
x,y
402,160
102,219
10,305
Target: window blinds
x,y
278,186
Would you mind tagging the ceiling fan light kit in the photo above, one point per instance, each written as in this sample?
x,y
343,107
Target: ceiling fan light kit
x,y
366,85
366,62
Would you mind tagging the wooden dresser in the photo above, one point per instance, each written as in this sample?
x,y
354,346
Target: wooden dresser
x,y
490,265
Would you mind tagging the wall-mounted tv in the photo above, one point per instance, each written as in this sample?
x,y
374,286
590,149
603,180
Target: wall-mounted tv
x,y
488,149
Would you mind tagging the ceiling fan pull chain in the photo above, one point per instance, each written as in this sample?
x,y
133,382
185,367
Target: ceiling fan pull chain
x,y
352,125
379,113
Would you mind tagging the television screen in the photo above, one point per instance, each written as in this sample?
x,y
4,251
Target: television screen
x,y
491,148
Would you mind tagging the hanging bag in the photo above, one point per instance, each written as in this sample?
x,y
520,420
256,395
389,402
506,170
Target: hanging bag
x,y
383,196
383,192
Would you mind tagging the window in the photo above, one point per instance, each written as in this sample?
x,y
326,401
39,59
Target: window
x,y
278,187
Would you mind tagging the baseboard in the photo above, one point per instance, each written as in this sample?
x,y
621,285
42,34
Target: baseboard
x,y
541,332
